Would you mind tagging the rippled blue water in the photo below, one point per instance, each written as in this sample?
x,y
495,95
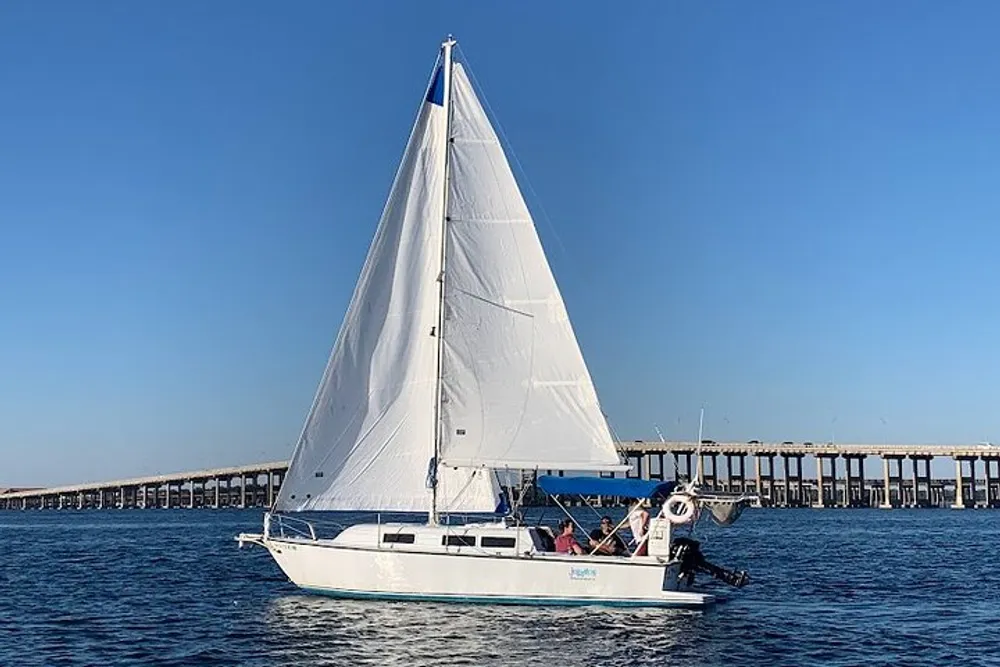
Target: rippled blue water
x,y
830,587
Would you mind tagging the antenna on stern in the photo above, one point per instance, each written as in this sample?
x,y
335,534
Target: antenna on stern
x,y
701,427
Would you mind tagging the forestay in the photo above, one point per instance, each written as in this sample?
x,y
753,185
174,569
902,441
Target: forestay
x,y
516,390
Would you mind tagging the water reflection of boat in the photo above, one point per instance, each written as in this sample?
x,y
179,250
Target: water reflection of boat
x,y
318,630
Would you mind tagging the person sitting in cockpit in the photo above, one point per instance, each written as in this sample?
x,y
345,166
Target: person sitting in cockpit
x,y
613,545
565,542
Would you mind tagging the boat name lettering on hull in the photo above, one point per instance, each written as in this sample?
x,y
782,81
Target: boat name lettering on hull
x,y
583,573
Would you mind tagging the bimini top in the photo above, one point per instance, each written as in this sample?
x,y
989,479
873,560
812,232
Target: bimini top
x,y
605,486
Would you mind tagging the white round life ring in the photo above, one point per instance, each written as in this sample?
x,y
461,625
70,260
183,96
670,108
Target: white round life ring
x,y
679,509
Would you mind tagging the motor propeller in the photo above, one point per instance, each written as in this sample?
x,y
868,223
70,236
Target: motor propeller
x,y
688,551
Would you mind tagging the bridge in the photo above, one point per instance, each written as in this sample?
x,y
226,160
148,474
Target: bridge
x,y
791,487
779,478
238,486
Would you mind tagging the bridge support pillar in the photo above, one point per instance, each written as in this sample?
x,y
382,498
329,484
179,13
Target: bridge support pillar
x,y
796,497
888,478
756,476
855,491
970,500
992,490
736,479
886,491
822,498
633,457
922,480
765,481
659,473
835,496
685,474
709,479
959,486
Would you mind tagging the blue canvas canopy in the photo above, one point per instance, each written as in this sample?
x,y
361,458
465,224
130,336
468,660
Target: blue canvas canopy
x,y
605,486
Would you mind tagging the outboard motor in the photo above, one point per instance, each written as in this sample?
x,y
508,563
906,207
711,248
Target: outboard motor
x,y
688,551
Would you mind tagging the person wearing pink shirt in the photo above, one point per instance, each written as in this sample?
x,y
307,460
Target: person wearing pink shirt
x,y
565,542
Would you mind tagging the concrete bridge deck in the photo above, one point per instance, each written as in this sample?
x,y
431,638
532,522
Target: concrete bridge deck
x,y
236,486
755,447
256,485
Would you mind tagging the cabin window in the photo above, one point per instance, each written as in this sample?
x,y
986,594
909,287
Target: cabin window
x,y
459,540
398,538
497,543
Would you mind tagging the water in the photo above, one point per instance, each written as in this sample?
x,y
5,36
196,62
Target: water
x,y
850,587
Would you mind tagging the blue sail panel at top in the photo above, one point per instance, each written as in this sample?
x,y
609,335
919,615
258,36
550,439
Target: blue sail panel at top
x,y
435,95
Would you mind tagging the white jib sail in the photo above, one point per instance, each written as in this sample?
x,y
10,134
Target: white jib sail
x,y
516,389
370,432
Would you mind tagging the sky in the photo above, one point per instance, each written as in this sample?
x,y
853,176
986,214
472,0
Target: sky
x,y
784,212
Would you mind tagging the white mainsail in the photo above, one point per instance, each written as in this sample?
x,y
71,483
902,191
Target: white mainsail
x,y
517,392
370,432
514,389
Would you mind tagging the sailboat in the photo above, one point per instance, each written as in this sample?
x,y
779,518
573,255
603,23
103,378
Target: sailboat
x,y
455,363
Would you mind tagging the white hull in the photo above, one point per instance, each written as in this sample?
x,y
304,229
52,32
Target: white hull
x,y
348,570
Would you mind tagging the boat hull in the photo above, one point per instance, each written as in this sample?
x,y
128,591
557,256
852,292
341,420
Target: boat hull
x,y
323,567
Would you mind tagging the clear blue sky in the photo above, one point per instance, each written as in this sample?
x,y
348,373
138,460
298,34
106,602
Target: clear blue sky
x,y
787,211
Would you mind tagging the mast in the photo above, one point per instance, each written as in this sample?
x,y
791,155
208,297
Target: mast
x,y
446,58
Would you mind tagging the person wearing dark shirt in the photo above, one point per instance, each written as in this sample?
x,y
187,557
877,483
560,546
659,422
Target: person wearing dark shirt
x,y
613,546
